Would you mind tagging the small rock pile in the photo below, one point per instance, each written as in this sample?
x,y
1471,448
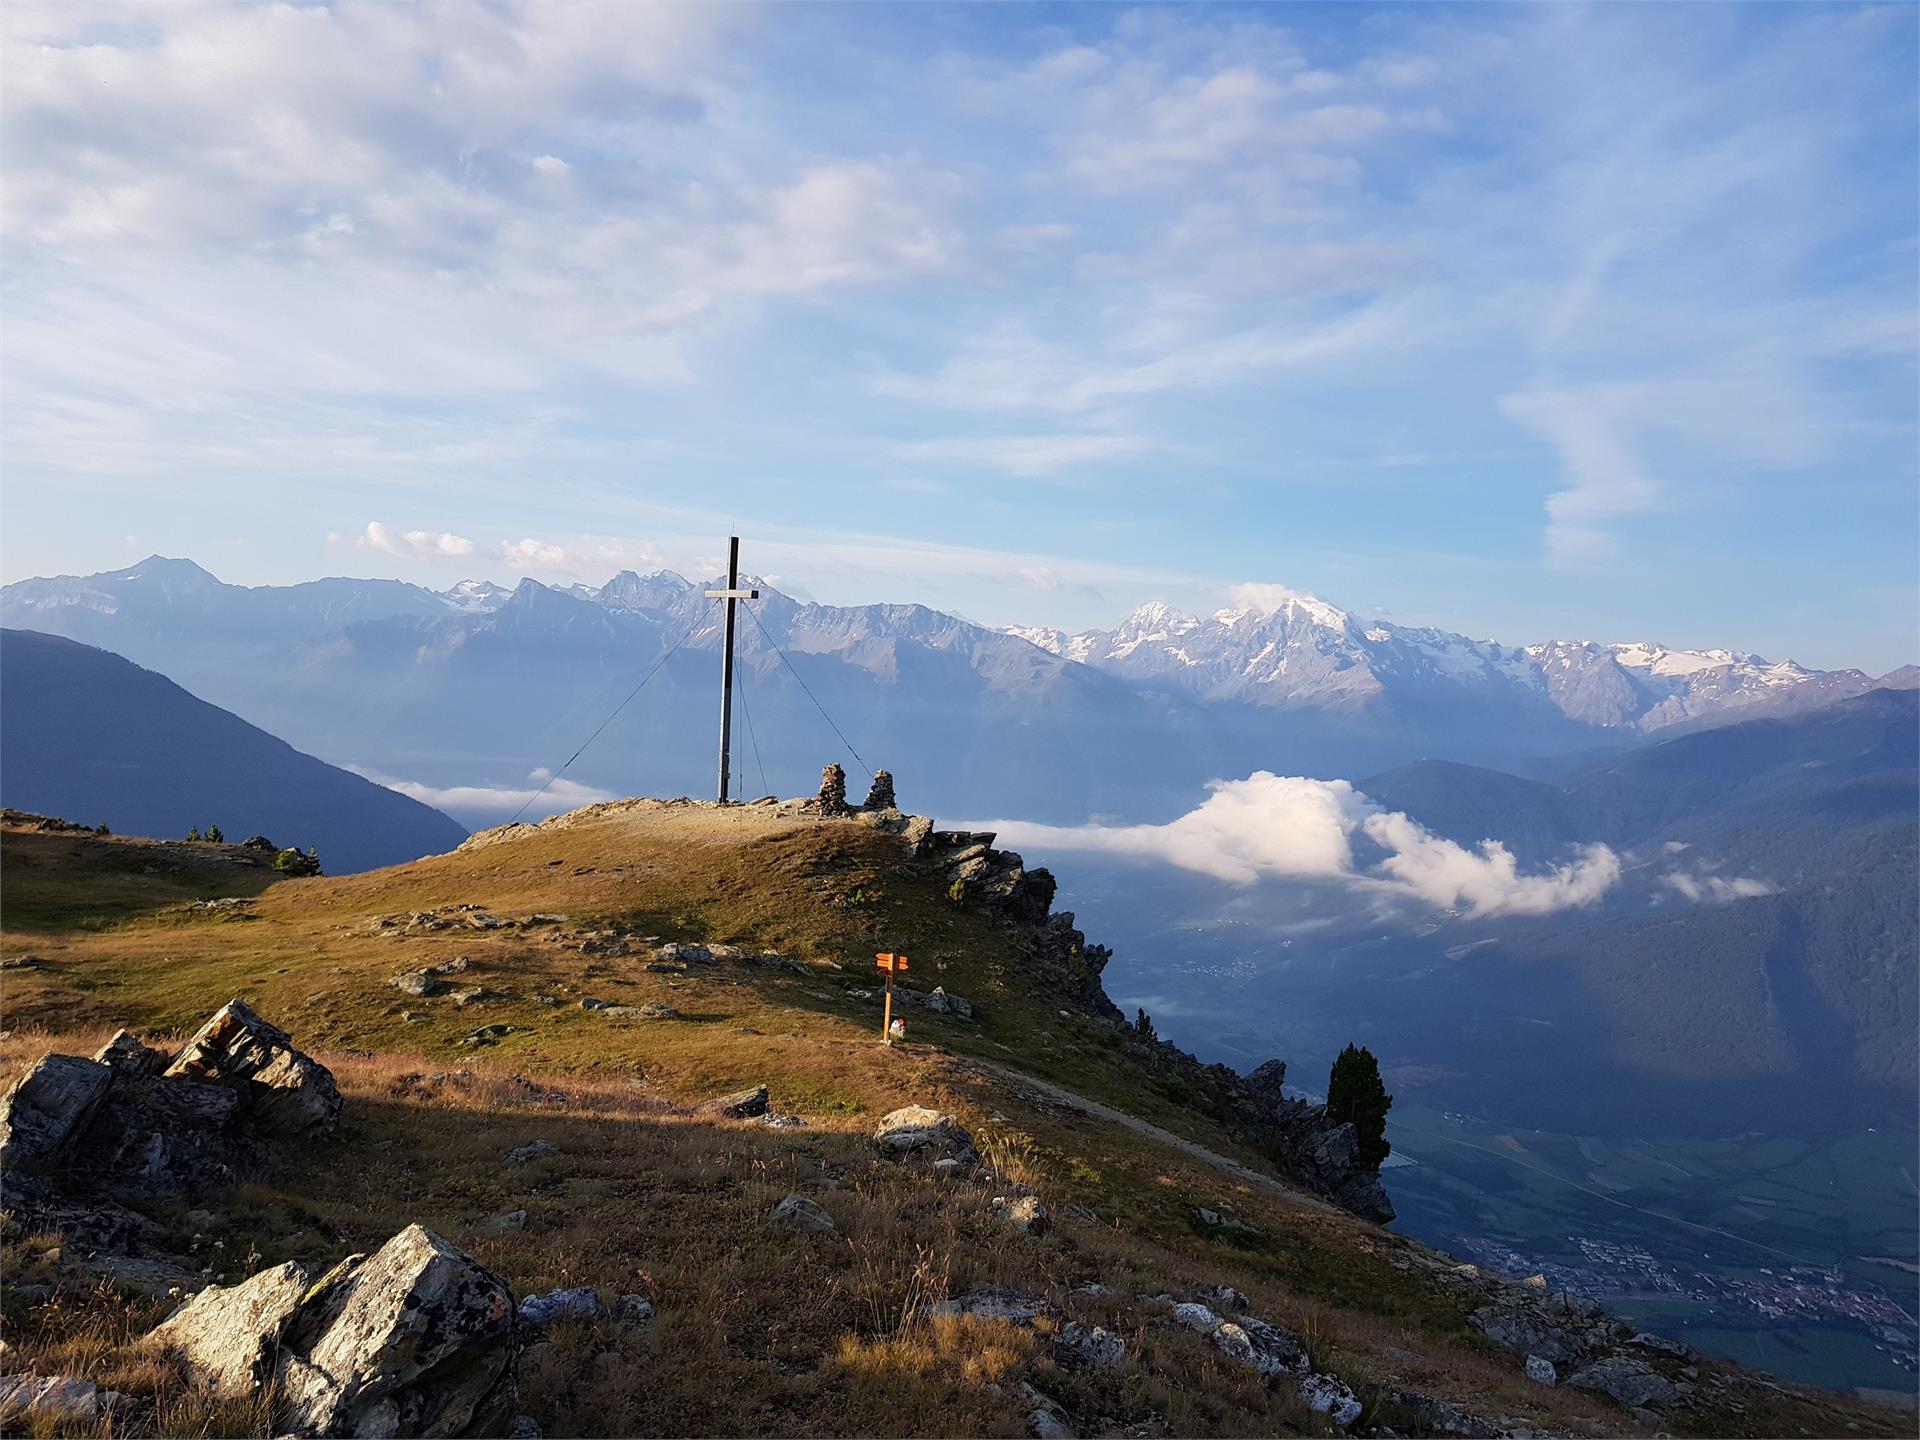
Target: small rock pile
x,y
880,793
832,799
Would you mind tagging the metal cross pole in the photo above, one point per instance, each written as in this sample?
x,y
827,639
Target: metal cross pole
x,y
733,594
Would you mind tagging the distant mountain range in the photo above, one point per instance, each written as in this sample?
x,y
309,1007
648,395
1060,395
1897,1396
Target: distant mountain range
x,y
93,738
474,688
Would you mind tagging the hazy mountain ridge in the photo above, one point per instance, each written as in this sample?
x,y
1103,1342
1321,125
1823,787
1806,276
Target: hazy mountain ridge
x,y
478,684
91,737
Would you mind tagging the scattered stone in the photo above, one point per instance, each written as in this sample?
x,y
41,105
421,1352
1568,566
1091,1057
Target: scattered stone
x,y
487,1035
741,1105
1331,1397
1088,1347
1225,1297
634,1312
652,1010
914,1129
782,1122
1630,1381
525,1427
995,1304
21,962
283,1091
666,967
508,1222
55,1398
940,1002
579,1303
418,982
470,995
1094,1290
1024,1213
457,966
684,954
1643,1340
946,1167
1541,1371
533,1150
797,1212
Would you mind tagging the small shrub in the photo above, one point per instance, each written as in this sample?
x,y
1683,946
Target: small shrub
x,y
295,861
101,829
193,834
957,892
1143,1024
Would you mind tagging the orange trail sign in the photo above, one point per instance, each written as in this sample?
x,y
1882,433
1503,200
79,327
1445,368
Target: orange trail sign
x,y
890,963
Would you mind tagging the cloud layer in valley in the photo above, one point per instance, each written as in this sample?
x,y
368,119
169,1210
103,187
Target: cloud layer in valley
x,y
1288,827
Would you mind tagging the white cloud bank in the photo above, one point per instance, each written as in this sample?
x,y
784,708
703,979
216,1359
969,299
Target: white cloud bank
x,y
1287,827
1718,889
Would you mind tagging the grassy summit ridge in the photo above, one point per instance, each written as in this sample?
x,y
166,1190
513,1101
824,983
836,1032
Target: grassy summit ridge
x,y
758,1331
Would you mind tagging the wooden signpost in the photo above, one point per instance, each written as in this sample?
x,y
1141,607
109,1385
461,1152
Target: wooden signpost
x,y
890,964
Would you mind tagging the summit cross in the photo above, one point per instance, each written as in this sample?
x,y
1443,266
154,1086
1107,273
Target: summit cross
x,y
733,595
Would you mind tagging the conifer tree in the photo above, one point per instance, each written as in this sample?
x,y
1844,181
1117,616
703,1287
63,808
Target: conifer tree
x,y
1355,1094
213,834
193,832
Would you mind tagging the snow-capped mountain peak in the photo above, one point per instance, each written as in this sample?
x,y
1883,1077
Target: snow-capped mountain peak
x,y
475,596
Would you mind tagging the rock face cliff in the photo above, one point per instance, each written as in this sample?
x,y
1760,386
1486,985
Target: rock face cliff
x,y
1314,1152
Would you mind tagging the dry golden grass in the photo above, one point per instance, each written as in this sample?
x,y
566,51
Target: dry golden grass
x,y
758,1331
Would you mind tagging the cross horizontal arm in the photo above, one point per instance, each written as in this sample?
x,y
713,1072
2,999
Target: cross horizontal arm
x,y
732,594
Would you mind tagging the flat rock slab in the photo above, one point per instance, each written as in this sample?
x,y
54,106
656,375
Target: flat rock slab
x,y
51,1397
917,1130
1006,1305
797,1212
740,1105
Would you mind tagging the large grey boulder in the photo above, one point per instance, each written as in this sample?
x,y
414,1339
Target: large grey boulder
x,y
230,1334
283,1091
46,1107
39,1399
416,1339
916,1130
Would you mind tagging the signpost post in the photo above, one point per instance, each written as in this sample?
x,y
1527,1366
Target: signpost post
x,y
889,963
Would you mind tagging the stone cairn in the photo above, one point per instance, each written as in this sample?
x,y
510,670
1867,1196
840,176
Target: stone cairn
x,y
833,791
880,796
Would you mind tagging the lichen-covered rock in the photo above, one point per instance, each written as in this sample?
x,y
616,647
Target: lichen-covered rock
x,y
1088,1347
917,1130
1331,1397
284,1091
1024,1213
230,1334
797,1212
164,1136
579,1303
416,1339
1540,1370
1009,1306
46,1107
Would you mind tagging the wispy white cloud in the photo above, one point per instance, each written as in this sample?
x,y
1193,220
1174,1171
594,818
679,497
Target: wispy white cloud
x,y
1029,456
413,544
1717,889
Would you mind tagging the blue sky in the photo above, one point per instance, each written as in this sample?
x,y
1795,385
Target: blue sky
x,y
1531,322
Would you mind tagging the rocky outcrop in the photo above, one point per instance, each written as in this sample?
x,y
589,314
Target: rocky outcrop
x,y
283,1092
416,1339
741,1105
1274,1352
77,1133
